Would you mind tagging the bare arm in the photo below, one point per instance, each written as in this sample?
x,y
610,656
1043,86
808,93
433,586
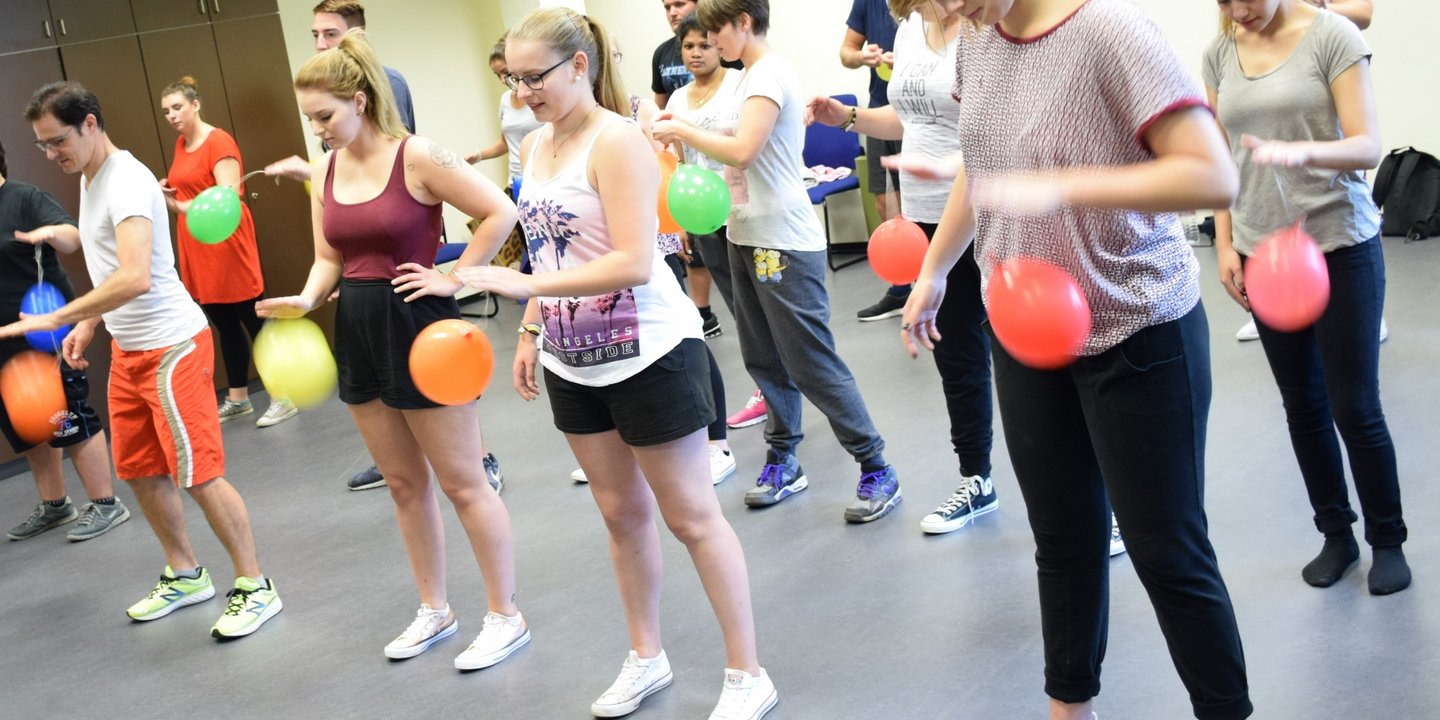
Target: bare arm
x,y
65,238
1359,149
494,150
757,120
854,53
1192,169
1232,273
882,123
443,178
130,280
325,271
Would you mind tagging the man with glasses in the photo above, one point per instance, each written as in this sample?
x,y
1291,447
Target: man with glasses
x,y
164,422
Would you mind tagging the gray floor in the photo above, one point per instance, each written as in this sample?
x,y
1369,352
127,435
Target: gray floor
x,y
865,622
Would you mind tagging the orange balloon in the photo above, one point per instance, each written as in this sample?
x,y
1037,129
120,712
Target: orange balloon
x,y
897,250
1038,312
34,395
668,164
451,362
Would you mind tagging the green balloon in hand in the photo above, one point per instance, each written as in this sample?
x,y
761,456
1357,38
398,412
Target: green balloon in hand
x,y
214,215
699,199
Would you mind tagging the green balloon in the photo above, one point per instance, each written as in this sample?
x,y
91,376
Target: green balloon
x,y
214,215
699,199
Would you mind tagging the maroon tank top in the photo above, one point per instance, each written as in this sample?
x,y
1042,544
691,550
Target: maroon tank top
x,y
376,236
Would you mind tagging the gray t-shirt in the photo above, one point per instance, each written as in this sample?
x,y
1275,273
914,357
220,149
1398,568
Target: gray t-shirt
x,y
1293,102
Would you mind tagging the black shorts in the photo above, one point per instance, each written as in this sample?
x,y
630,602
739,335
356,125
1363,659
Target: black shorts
x,y
80,422
666,401
374,329
874,150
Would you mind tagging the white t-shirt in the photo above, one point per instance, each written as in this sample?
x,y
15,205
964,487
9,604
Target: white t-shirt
x,y
165,315
919,90
514,126
704,117
769,206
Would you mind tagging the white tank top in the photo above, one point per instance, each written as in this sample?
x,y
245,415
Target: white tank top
x,y
598,340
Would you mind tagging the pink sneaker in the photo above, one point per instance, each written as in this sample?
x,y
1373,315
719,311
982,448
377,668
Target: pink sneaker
x,y
753,412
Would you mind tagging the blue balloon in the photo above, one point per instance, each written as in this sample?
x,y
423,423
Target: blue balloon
x,y
44,299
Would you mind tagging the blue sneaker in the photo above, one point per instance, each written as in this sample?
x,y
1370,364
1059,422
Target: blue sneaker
x,y
781,478
877,494
492,472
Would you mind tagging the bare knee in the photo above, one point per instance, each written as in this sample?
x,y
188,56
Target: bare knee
x,y
690,528
406,487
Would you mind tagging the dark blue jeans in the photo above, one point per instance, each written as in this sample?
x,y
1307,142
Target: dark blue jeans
x,y
963,358
1129,424
1329,378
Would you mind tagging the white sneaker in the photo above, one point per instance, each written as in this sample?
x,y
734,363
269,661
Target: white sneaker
x,y
279,411
579,476
430,626
1117,543
1248,331
745,697
639,678
1384,330
499,637
722,464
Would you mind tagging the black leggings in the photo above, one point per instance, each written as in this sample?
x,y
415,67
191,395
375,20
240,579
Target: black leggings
x,y
232,321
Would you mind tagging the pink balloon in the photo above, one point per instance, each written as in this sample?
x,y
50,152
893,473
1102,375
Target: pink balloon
x,y
1039,313
1287,280
897,250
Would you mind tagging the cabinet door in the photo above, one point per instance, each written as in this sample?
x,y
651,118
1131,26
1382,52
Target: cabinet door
x,y
25,25
267,128
30,71
236,9
172,54
78,21
164,14
114,71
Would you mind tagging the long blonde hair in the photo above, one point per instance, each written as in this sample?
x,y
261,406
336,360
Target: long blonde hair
x,y
568,32
351,67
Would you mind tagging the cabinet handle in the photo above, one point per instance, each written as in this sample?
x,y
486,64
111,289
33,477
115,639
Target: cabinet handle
x,y
47,29
202,6
216,4
63,31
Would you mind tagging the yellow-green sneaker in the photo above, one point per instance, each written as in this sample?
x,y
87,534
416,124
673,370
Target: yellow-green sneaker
x,y
171,594
250,605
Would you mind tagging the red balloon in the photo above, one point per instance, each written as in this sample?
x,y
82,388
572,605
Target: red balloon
x,y
896,251
668,164
451,362
1287,280
34,395
1038,312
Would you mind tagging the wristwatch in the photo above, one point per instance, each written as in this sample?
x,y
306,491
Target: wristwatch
x,y
532,328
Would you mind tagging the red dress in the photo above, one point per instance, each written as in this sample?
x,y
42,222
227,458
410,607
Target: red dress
x,y
226,272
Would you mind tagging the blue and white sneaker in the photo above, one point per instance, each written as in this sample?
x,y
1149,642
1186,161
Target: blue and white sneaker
x,y
780,478
877,494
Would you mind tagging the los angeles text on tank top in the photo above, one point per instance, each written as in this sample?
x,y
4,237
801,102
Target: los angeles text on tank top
x,y
377,235
596,340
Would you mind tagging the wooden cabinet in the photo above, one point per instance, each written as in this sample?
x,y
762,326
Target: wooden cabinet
x,y
165,14
32,24
171,55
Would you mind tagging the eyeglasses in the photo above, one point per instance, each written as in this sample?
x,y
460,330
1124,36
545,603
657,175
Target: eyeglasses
x,y
617,56
534,82
54,143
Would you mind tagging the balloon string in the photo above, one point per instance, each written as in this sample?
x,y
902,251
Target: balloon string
x,y
1290,210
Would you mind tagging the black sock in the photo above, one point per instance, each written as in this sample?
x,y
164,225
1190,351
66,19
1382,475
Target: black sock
x,y
705,312
104,501
62,502
1337,556
874,463
1389,573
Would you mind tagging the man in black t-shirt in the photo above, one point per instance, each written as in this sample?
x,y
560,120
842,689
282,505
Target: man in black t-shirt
x,y
22,209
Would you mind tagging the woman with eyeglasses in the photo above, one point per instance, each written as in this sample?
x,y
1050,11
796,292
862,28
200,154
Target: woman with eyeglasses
x,y
516,121
376,210
620,348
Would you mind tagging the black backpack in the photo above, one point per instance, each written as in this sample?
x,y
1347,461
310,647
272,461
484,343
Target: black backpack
x,y
1407,189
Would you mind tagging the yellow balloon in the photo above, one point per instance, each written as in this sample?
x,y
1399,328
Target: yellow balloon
x,y
294,361
883,70
307,187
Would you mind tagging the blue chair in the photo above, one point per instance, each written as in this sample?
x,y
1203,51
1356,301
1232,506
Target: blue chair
x,y
836,148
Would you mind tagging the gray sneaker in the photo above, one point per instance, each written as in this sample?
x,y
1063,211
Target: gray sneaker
x,y
44,518
279,411
366,479
780,478
492,472
97,519
877,494
229,410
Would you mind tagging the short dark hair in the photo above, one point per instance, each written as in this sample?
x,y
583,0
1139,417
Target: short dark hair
x,y
715,14
4,171
68,101
352,11
688,24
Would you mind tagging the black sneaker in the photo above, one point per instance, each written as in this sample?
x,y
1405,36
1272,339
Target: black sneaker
x,y
492,472
711,327
888,307
366,479
974,497
877,494
780,478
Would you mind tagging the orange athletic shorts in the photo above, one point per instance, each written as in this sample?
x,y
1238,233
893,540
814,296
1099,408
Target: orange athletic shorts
x,y
163,417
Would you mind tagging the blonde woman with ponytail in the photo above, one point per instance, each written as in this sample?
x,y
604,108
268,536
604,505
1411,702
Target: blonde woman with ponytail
x,y
625,366
376,209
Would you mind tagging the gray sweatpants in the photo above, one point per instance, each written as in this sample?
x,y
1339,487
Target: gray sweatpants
x,y
783,313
